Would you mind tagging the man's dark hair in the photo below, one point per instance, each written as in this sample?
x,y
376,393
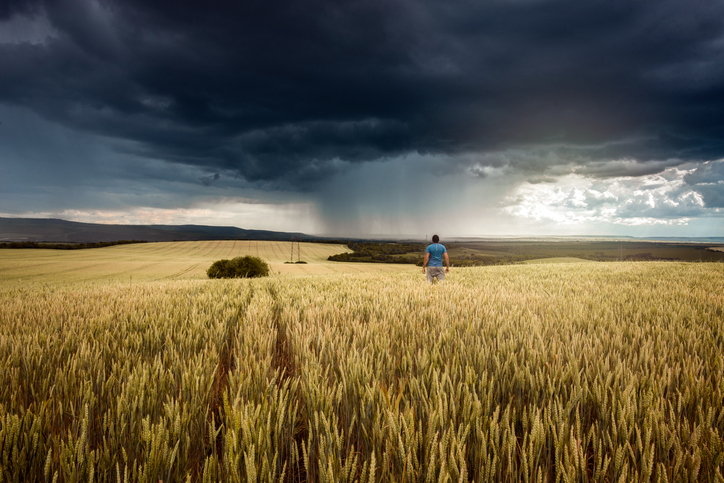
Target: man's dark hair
x,y
435,238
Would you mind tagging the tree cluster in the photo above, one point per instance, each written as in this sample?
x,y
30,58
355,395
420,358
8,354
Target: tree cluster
x,y
239,267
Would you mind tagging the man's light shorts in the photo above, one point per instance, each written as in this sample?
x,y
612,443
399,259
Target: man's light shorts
x,y
433,272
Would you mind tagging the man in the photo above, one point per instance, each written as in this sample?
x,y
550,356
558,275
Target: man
x,y
434,255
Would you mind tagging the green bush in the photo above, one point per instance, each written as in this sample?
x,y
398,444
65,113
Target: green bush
x,y
239,267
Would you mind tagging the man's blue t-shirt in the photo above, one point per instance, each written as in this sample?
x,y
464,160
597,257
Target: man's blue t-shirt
x,y
436,250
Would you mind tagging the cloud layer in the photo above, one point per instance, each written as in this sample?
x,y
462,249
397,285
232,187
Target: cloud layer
x,y
281,92
558,110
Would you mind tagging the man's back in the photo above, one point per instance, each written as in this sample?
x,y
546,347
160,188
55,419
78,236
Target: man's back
x,y
436,251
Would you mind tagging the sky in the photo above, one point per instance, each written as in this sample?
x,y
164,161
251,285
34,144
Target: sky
x,y
367,117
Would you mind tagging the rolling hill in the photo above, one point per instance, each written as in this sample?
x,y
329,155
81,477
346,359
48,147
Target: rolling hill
x,y
55,230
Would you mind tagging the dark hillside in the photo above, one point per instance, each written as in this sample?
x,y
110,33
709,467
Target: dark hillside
x,y
61,231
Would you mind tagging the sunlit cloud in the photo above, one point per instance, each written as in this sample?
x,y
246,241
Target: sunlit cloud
x,y
657,199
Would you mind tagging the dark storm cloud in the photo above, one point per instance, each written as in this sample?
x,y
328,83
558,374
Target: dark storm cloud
x,y
287,91
208,180
9,8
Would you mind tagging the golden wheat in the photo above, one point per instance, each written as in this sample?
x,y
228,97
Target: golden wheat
x,y
166,261
575,372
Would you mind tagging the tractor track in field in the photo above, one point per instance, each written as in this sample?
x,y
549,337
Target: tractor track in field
x,y
215,414
181,272
283,359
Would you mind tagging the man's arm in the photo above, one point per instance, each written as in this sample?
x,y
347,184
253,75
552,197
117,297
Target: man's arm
x,y
424,262
447,262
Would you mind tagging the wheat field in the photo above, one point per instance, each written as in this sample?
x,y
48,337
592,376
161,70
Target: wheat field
x,y
547,372
166,261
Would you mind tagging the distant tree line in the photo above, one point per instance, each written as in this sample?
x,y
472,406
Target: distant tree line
x,y
413,254
468,255
67,246
370,252
485,260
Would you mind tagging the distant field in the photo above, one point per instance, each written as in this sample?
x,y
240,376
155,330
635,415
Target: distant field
x,y
166,261
600,250
556,260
